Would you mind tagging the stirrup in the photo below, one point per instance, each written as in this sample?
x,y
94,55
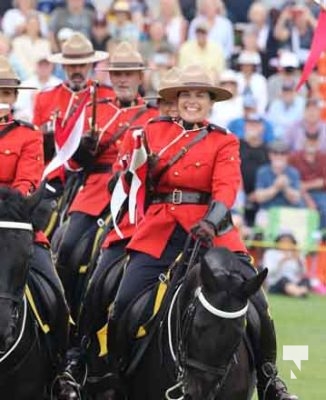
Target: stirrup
x,y
272,387
66,387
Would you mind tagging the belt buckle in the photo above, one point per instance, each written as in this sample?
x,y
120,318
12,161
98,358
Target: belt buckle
x,y
177,196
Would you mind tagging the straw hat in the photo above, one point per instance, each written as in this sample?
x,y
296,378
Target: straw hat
x,y
78,50
195,77
121,6
8,78
125,58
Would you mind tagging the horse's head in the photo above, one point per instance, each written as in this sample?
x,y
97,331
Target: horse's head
x,y
214,305
16,240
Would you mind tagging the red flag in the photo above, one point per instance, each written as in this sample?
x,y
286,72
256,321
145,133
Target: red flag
x,y
318,45
138,167
67,137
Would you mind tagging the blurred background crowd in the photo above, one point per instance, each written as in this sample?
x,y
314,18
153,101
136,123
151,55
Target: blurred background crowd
x,y
255,49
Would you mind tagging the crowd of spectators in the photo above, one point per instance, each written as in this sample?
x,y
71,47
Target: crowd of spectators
x,y
255,49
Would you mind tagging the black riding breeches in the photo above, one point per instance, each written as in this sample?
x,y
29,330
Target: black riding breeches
x,y
108,257
144,270
41,263
79,223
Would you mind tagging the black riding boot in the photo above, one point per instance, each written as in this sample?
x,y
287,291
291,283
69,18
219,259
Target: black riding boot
x,y
269,385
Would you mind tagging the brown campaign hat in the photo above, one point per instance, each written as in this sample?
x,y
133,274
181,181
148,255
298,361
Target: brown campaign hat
x,y
78,50
195,77
125,58
169,78
8,78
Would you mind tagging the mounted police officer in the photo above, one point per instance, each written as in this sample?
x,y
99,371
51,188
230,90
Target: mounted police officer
x,y
98,151
78,58
194,182
21,158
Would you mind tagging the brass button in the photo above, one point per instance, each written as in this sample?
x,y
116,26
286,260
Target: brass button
x,y
120,123
197,164
187,135
118,141
172,208
176,173
7,151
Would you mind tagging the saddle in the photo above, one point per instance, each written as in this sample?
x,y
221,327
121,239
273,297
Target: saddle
x,y
100,293
51,314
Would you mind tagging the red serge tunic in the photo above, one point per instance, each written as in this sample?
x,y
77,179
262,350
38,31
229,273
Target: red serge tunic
x,y
61,99
94,196
212,165
21,159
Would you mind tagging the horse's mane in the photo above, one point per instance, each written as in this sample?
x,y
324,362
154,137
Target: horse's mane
x,y
13,206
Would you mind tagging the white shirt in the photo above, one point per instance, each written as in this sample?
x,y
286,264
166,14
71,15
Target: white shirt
x,y
258,87
221,33
225,111
14,17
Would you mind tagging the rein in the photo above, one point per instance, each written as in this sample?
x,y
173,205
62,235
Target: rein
x,y
19,338
181,358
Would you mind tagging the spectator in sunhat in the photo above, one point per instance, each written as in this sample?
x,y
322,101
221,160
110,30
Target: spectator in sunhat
x,y
251,81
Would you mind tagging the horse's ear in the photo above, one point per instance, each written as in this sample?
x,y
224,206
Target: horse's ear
x,y
207,275
33,200
252,285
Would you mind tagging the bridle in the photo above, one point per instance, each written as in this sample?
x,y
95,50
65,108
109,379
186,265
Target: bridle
x,y
16,299
16,225
180,357
25,226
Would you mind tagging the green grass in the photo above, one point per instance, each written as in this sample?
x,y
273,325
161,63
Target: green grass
x,y
302,322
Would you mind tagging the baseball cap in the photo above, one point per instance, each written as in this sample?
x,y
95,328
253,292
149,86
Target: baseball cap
x,y
288,60
278,146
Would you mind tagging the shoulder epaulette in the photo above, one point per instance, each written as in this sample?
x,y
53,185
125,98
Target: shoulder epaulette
x,y
161,118
26,124
220,129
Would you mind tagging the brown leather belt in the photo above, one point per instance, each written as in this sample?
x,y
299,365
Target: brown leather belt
x,y
180,197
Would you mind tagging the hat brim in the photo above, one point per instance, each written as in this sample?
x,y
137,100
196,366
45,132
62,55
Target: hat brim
x,y
108,69
17,87
218,93
153,97
60,59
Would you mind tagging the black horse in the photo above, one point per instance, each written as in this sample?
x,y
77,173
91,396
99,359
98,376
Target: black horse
x,y
25,366
199,351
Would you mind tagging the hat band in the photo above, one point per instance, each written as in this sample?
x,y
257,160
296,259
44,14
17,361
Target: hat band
x,y
9,82
199,84
80,55
126,65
